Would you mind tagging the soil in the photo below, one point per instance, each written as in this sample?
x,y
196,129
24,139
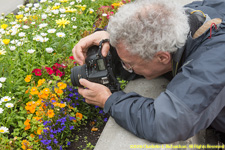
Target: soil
x,y
86,137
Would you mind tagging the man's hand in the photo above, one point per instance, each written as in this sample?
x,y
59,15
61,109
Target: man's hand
x,y
94,93
80,49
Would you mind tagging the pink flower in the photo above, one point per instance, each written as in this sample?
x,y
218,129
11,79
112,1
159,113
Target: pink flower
x,y
71,57
37,72
58,73
49,70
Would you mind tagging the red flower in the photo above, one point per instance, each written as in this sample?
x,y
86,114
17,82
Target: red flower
x,y
57,65
49,70
58,73
37,72
71,57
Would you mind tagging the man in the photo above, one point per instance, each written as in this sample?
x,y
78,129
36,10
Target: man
x,y
153,38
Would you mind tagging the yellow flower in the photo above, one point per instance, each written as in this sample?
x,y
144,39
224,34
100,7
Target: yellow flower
x,y
63,1
39,131
40,82
4,26
34,91
6,41
62,105
55,7
2,52
61,85
19,16
62,22
50,113
28,78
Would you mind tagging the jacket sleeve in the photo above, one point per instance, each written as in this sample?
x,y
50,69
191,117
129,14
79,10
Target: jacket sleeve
x,y
190,103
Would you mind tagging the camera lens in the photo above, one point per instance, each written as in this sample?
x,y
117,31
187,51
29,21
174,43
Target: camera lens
x,y
77,73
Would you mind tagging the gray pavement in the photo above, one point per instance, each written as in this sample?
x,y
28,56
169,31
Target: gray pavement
x,y
8,6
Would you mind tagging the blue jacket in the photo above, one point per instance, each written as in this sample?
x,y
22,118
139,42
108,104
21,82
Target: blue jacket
x,y
195,97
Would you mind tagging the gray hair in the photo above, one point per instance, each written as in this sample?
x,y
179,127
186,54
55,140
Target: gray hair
x,y
149,26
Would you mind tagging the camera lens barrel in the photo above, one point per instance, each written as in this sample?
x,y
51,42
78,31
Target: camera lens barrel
x,y
77,73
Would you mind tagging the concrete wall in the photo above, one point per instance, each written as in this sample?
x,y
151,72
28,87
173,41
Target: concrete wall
x,y
8,6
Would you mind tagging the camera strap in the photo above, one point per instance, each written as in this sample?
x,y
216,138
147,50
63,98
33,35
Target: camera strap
x,y
100,45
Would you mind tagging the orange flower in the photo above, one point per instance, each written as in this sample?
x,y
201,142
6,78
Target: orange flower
x,y
27,127
34,91
61,85
32,135
94,129
27,91
62,105
50,113
37,118
25,144
43,95
79,116
27,122
40,82
30,106
39,130
58,91
28,78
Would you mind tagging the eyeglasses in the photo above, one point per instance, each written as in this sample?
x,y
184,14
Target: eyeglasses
x,y
127,67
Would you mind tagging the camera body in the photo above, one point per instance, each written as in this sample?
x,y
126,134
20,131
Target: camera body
x,y
96,69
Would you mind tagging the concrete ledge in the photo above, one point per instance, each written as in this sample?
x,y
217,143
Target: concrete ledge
x,y
8,6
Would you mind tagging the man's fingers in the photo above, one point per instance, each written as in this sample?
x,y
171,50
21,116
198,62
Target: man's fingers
x,y
86,83
105,49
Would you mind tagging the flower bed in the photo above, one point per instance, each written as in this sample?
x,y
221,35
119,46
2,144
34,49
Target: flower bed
x,y
39,107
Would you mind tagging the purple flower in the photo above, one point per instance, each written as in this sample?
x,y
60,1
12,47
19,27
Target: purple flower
x,y
70,95
101,111
55,141
46,142
68,143
71,127
51,136
49,148
96,106
106,119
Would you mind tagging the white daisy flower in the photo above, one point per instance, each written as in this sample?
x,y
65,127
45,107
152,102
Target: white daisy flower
x,y
9,105
26,9
43,25
26,27
31,51
22,34
44,34
36,5
51,30
14,22
20,13
57,4
42,1
44,39
0,85
13,41
19,43
44,16
20,6
72,3
29,5
73,18
12,48
49,50
62,10
2,79
16,26
6,99
3,129
55,11
1,110
104,14
78,1
63,15
74,27
60,34
33,23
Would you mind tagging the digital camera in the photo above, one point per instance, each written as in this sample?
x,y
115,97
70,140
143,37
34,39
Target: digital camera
x,y
97,68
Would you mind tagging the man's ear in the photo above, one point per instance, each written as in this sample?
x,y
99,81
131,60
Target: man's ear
x,y
163,57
